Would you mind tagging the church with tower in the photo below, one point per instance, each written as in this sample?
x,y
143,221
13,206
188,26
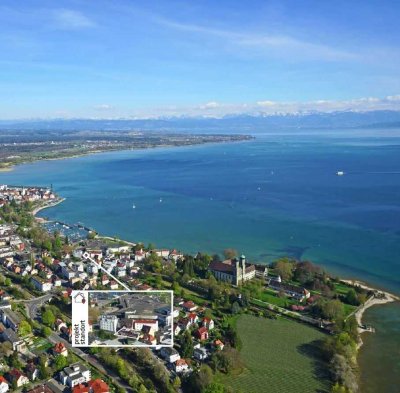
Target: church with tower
x,y
235,271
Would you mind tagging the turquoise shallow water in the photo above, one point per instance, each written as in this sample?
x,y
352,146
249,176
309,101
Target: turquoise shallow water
x,y
277,195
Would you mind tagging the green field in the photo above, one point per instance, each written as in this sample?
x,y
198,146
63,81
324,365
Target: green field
x,y
280,356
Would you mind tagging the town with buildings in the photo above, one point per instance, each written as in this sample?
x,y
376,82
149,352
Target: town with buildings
x,y
131,318
39,270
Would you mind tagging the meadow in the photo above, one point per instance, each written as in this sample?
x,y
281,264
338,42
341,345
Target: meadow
x,y
280,356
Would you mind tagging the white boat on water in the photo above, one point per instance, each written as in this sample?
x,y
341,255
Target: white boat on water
x,y
340,173
133,206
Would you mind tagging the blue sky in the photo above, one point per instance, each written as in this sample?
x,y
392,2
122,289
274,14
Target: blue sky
x,y
108,59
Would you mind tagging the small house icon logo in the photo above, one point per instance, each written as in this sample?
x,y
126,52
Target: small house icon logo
x,y
80,298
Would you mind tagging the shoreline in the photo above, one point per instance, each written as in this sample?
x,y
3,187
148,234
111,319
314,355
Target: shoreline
x,y
40,208
11,166
370,302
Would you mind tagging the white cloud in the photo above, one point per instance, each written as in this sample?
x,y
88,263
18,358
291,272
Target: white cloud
x,y
393,98
269,107
210,105
71,19
103,107
271,44
266,103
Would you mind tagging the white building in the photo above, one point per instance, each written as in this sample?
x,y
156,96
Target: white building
x,y
75,374
108,323
92,268
200,353
41,284
171,355
151,324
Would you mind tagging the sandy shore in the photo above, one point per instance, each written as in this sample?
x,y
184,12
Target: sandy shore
x,y
380,297
7,169
39,208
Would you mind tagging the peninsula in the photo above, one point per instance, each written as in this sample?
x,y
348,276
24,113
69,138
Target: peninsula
x,y
21,146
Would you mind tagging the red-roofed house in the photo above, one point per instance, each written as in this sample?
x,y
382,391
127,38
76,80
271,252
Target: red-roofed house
x,y
18,377
181,366
175,255
98,386
184,323
81,388
60,349
208,323
189,306
140,255
113,284
144,287
193,318
219,344
3,385
202,333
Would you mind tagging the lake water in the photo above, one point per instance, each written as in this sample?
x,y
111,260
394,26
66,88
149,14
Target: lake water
x,y
277,195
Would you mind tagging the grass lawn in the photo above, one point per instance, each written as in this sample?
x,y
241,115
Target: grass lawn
x,y
348,309
270,296
280,356
40,344
341,288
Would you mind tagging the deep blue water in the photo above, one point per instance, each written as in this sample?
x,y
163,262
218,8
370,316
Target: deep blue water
x,y
276,195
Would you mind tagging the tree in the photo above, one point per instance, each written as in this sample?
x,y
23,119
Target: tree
x,y
187,345
230,253
336,388
13,361
24,328
215,387
91,235
333,309
200,380
48,318
232,337
351,327
45,331
5,348
235,309
7,282
177,382
285,269
60,362
351,297
47,245
226,360
44,372
343,373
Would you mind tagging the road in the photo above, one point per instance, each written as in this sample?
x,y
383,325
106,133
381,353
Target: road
x,y
33,305
55,338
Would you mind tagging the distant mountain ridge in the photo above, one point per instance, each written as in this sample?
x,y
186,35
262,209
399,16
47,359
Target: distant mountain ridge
x,y
231,123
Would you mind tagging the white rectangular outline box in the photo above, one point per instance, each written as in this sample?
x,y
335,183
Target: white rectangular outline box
x,y
171,292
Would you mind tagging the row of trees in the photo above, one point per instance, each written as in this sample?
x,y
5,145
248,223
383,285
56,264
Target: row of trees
x,y
340,350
